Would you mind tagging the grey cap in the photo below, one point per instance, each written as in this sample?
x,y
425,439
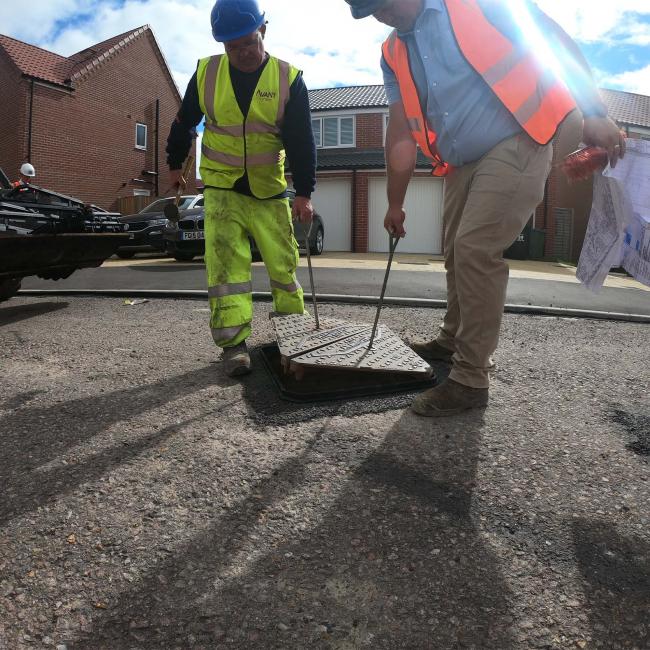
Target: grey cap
x,y
364,8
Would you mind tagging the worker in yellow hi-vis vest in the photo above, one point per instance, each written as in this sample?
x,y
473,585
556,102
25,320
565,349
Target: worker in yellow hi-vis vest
x,y
256,111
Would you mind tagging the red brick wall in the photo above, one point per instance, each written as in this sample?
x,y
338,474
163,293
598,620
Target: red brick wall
x,y
14,107
369,131
360,212
84,142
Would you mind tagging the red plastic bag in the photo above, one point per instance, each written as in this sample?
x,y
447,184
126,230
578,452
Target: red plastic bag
x,y
581,164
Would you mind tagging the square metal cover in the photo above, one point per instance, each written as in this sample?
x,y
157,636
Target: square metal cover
x,y
344,345
331,384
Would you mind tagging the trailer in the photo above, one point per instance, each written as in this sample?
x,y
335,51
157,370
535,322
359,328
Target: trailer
x,y
50,235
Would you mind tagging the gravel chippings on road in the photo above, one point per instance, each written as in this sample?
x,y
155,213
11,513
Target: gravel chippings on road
x,y
150,502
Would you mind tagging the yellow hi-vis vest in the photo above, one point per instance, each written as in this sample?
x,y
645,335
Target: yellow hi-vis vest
x,y
233,144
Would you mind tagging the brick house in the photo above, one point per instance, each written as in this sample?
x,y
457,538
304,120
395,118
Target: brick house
x,y
94,124
350,126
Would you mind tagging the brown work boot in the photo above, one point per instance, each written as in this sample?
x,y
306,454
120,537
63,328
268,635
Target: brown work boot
x,y
432,351
236,360
449,398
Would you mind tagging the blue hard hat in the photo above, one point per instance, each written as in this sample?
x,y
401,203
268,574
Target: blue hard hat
x,y
364,8
231,19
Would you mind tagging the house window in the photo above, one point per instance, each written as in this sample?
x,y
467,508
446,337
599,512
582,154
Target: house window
x,y
386,117
315,126
140,136
330,132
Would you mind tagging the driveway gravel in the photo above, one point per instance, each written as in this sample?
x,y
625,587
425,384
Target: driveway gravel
x,y
150,502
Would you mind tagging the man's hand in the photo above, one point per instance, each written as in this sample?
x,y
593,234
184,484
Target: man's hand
x,y
603,132
302,209
175,176
394,222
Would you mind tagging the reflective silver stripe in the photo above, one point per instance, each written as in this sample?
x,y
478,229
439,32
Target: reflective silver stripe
x,y
534,102
211,85
292,287
270,158
232,289
224,158
261,127
414,124
504,67
227,332
235,131
284,90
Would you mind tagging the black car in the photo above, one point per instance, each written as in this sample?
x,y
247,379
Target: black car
x,y
146,228
186,240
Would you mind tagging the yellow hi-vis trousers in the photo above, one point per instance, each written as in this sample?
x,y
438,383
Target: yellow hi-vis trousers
x,y
229,219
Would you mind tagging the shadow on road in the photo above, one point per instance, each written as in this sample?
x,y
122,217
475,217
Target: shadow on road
x,y
34,437
390,556
16,313
616,574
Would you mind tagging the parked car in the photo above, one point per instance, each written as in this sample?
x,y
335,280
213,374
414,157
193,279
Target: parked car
x,y
146,227
185,241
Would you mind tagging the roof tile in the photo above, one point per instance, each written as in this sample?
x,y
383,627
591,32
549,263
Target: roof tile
x,y
624,107
41,64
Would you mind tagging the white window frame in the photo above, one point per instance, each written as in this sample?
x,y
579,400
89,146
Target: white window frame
x,y
385,126
338,145
139,146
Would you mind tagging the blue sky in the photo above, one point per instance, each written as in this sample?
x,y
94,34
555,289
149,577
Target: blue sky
x,y
319,36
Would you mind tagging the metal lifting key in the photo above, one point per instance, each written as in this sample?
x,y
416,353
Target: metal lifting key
x,y
311,275
392,245
171,209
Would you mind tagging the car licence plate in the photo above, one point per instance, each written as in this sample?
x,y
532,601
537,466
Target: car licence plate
x,y
193,234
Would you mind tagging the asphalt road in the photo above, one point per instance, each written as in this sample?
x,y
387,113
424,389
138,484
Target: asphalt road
x,y
150,502
164,275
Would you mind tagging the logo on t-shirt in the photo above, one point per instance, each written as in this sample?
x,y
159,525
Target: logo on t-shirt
x,y
266,95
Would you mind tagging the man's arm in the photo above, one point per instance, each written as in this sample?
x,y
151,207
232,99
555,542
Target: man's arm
x,y
599,129
401,152
298,140
183,130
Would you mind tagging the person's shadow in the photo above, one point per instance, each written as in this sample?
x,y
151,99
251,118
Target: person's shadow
x,y
616,574
33,438
370,546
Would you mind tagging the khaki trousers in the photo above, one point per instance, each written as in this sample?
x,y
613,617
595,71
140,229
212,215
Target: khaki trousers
x,y
487,204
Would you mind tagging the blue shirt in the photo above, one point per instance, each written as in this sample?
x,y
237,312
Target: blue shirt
x,y
461,108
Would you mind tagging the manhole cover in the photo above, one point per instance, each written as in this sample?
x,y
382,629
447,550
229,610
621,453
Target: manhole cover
x,y
343,345
337,383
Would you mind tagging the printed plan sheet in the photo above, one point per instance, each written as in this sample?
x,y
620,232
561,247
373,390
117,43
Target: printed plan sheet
x,y
618,233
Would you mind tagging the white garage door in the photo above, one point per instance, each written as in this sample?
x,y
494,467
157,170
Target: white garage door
x,y
423,207
332,199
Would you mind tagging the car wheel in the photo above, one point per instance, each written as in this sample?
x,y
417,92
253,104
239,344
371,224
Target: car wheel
x,y
316,247
183,257
9,288
125,255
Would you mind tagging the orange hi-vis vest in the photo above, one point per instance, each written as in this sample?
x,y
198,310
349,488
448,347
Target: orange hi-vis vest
x,y
535,96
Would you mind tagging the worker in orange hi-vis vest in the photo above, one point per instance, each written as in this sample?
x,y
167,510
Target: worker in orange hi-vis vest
x,y
482,88
27,172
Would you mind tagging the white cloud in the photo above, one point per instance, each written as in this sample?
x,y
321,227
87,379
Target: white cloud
x,y
634,81
595,20
319,36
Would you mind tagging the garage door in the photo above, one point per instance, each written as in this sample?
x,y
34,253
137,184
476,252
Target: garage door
x,y
332,199
423,208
